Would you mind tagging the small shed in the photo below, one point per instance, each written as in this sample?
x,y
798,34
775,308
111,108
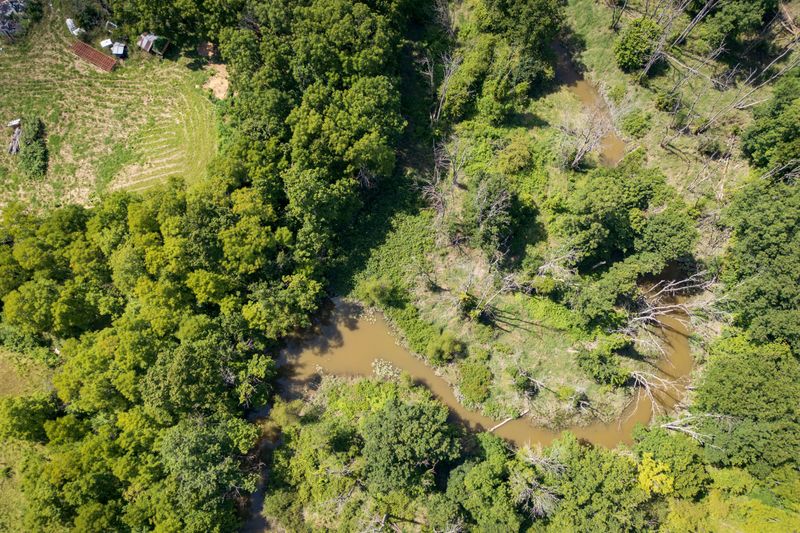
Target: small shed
x,y
106,43
152,43
73,28
118,49
13,147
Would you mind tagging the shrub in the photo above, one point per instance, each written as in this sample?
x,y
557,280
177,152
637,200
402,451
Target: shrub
x,y
444,349
636,123
710,146
475,380
33,154
378,292
467,303
634,47
667,101
565,392
602,364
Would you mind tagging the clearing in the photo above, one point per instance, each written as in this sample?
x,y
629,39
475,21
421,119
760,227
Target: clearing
x,y
148,120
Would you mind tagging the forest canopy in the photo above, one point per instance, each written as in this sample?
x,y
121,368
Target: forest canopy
x,y
430,160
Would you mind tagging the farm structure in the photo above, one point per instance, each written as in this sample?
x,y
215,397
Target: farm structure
x,y
95,57
15,125
10,13
153,43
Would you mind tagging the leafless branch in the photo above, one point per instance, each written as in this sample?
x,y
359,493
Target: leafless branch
x,y
688,426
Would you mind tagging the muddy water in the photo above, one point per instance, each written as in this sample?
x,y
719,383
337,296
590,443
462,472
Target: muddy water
x,y
612,147
346,344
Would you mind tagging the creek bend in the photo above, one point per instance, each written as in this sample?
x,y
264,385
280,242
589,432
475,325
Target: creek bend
x,y
345,342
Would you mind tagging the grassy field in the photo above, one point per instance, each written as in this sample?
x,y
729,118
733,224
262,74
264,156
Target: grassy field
x,y
18,376
148,120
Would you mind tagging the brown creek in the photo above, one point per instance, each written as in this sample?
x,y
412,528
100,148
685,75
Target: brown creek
x,y
346,343
612,147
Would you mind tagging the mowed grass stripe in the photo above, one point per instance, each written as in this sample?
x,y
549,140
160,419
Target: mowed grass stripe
x,y
154,109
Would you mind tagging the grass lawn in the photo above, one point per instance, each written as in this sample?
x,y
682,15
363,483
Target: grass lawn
x,y
18,376
148,120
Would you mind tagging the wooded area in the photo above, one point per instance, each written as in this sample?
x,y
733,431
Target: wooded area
x,y
431,160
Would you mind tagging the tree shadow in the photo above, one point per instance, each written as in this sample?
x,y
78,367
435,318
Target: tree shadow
x,y
397,193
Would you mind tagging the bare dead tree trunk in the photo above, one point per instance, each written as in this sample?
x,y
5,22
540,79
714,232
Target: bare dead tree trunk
x,y
688,426
705,10
617,14
670,13
587,135
650,385
660,301
441,9
748,88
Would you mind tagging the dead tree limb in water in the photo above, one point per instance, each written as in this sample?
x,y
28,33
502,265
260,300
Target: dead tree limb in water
x,y
650,384
649,308
587,135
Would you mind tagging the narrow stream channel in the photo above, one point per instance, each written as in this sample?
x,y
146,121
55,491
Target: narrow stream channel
x,y
612,147
345,344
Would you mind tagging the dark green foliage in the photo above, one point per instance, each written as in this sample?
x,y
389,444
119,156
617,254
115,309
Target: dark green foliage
x,y
480,486
636,124
402,441
683,455
772,142
506,58
181,22
530,26
33,156
487,216
202,459
602,362
622,224
755,390
598,490
317,108
378,292
475,381
87,14
444,348
159,322
25,417
614,213
763,261
735,21
636,44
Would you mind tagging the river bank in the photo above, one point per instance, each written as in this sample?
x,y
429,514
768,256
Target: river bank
x,y
346,342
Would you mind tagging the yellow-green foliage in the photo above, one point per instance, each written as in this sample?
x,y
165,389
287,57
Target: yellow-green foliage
x,y
654,476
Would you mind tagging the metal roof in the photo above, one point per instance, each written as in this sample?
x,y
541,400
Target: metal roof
x,y
95,57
